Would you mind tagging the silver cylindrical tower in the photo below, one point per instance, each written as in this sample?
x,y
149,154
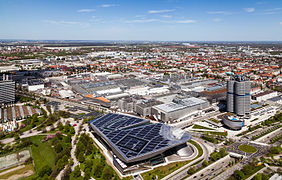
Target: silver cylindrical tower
x,y
230,96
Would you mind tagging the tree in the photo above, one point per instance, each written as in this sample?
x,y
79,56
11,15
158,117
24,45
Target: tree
x,y
239,175
265,177
45,170
16,136
275,149
66,173
258,177
97,167
88,164
191,171
81,157
58,147
87,173
205,163
247,169
107,173
222,152
60,164
76,172
60,126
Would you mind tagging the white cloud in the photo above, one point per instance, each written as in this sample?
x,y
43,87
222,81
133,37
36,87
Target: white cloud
x,y
216,19
62,22
272,11
166,16
249,10
261,2
219,12
109,5
187,21
280,23
160,11
85,10
81,24
142,21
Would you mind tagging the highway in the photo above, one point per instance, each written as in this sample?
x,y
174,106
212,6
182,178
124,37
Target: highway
x,y
211,170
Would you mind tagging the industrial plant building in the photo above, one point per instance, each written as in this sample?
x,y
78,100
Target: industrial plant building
x,y
264,95
178,108
238,95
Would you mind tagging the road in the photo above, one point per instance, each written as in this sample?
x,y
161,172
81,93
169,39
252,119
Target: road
x,y
182,172
261,150
211,170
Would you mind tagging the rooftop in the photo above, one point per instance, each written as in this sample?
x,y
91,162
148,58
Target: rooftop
x,y
263,93
180,104
134,139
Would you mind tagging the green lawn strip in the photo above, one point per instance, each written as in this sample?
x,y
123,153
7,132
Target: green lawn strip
x,y
247,148
19,171
275,139
213,133
199,148
196,126
163,171
214,120
266,132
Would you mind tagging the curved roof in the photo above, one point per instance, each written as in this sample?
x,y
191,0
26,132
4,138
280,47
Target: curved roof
x,y
134,139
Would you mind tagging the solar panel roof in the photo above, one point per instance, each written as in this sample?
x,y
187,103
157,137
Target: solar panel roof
x,y
134,139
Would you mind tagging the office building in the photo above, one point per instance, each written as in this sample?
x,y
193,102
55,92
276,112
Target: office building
x,y
7,91
238,95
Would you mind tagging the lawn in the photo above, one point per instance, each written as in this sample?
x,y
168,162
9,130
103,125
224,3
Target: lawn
x,y
42,153
163,171
196,126
214,120
213,133
247,148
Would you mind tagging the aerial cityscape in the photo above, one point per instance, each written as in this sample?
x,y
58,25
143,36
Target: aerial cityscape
x,y
148,90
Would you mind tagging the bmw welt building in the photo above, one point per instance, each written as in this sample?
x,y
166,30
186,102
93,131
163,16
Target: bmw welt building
x,y
132,140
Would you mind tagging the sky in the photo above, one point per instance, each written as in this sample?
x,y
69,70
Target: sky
x,y
149,20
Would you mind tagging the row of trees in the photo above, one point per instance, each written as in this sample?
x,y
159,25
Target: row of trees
x,y
246,171
62,146
92,162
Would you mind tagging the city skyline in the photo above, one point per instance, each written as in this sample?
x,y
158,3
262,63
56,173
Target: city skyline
x,y
171,20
